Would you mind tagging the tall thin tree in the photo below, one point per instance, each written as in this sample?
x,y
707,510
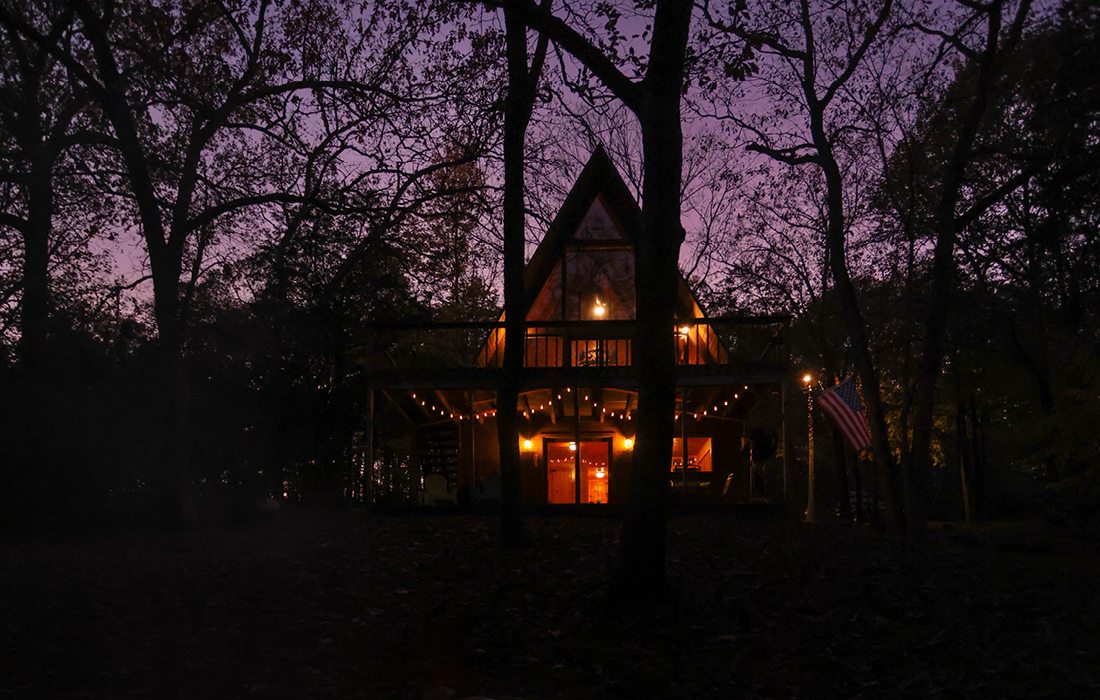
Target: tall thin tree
x,y
518,105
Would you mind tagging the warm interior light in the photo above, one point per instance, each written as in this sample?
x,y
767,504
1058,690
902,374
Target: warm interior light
x,y
600,309
572,447
684,330
806,378
628,443
527,444
600,472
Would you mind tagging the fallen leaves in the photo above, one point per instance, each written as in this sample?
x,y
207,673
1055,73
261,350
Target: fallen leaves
x,y
351,605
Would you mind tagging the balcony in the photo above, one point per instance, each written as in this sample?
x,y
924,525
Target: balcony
x,y
445,351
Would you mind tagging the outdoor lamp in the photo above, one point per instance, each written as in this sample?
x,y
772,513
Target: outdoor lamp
x,y
527,444
628,443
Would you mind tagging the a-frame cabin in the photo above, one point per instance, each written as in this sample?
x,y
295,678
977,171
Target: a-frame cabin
x,y
580,390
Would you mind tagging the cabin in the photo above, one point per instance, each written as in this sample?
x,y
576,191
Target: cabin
x,y
579,395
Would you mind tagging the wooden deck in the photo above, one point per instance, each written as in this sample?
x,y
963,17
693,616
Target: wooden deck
x,y
461,355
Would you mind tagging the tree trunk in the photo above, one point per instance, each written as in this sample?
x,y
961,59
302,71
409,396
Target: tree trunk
x,y
640,575
165,262
963,449
518,105
36,266
977,457
171,476
941,289
840,457
853,317
860,516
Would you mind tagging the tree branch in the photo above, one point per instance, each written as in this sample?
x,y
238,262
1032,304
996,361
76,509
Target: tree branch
x,y
868,38
790,156
542,20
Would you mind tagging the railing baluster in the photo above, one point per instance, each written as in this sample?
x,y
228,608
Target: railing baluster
x,y
567,344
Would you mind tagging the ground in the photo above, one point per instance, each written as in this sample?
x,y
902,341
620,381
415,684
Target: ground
x,y
323,604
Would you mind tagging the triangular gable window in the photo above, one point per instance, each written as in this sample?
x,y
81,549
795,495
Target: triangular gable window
x,y
597,225
596,282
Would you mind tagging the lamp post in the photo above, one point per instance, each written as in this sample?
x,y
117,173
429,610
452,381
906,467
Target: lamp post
x,y
806,380
683,333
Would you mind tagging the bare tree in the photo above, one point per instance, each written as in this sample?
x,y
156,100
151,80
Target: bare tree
x,y
41,114
813,55
197,103
985,49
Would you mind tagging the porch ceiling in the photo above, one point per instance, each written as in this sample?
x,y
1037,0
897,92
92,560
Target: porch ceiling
x,y
555,403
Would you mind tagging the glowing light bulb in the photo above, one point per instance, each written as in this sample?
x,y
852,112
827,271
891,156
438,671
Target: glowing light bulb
x,y
600,309
628,443
572,447
527,444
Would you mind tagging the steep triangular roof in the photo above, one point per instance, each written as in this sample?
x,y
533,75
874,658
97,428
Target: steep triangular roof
x,y
599,179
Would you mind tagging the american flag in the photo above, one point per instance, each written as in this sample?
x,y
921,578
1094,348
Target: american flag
x,y
843,406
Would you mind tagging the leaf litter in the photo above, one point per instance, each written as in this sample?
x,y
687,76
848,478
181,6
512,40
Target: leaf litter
x,y
314,603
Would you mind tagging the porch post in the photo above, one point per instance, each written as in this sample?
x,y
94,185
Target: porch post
x,y
786,443
683,439
577,441
473,450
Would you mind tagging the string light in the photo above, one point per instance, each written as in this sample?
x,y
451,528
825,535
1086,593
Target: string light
x,y
548,406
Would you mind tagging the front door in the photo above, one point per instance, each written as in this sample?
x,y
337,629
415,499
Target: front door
x,y
595,471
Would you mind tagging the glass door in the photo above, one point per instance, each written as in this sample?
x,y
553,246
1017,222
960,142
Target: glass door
x,y
595,471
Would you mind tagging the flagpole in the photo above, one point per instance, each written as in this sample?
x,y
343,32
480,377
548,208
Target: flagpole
x,y
807,379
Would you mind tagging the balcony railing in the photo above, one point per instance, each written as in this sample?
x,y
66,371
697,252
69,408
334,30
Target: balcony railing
x,y
564,344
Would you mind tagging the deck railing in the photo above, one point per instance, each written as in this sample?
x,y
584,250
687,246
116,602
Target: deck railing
x,y
560,344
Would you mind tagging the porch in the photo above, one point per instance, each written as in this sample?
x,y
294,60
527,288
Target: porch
x,y
577,404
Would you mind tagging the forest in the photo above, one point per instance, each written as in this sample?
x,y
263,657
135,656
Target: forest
x,y
204,204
